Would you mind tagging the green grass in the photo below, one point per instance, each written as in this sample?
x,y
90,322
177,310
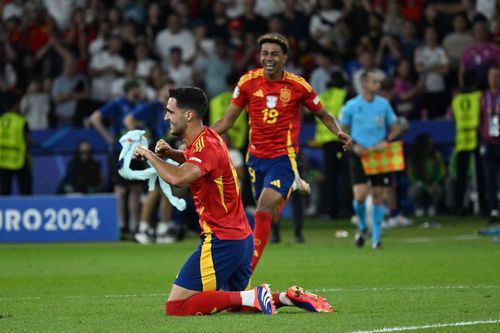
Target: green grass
x,y
421,277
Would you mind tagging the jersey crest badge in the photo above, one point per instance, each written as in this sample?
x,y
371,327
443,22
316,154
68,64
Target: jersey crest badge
x,y
271,101
285,95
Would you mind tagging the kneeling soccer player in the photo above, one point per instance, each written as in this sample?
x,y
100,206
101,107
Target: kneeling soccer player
x,y
215,276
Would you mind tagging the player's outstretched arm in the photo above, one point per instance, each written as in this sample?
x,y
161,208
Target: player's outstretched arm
x,y
227,121
164,150
178,176
333,125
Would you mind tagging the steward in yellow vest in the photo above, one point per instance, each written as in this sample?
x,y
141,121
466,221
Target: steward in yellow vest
x,y
13,153
238,133
466,108
13,144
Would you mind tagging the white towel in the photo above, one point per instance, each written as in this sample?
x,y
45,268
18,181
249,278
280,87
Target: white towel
x,y
129,142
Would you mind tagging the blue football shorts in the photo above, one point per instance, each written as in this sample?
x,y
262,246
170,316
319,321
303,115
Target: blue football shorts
x,y
277,173
218,265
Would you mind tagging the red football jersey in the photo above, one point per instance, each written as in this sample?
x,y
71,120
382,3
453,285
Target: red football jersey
x,y
274,111
217,194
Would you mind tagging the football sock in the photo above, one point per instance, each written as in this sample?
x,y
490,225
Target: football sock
x,y
261,233
360,210
281,299
206,302
378,216
143,226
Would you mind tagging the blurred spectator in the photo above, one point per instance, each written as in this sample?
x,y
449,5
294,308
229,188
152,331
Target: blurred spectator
x,y
479,56
322,74
426,172
118,85
250,19
295,23
130,38
78,35
154,22
15,159
144,63
431,63
216,68
181,73
490,133
35,105
321,26
67,90
455,42
393,23
387,54
105,66
99,43
406,92
83,172
175,36
409,42
217,25
114,16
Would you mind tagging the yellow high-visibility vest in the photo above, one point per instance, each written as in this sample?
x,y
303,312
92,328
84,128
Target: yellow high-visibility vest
x,y
12,141
466,108
332,100
238,133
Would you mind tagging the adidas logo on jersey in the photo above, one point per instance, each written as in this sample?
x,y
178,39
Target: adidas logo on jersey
x,y
276,183
259,93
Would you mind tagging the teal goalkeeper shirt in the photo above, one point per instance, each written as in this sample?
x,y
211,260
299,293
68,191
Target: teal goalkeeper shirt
x,y
368,120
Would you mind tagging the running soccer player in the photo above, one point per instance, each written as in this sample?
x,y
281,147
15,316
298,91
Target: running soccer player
x,y
215,276
273,97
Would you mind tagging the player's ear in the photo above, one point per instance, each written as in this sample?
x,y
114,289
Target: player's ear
x,y
189,115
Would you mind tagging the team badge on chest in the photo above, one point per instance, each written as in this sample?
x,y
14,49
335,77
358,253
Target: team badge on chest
x,y
285,95
271,101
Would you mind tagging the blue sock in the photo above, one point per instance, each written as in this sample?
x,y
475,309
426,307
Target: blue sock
x,y
360,210
378,217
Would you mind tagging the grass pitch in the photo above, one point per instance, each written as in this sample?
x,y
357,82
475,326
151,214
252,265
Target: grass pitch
x,y
443,279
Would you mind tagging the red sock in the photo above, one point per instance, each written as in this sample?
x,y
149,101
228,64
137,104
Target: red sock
x,y
261,233
206,303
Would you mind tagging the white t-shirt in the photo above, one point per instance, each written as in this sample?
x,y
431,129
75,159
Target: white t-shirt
x,y
182,75
323,22
101,85
144,67
36,107
165,40
426,56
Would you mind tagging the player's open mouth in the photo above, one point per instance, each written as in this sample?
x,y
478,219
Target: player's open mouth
x,y
269,66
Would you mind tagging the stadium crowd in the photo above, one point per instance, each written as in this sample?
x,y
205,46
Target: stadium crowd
x,y
63,59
